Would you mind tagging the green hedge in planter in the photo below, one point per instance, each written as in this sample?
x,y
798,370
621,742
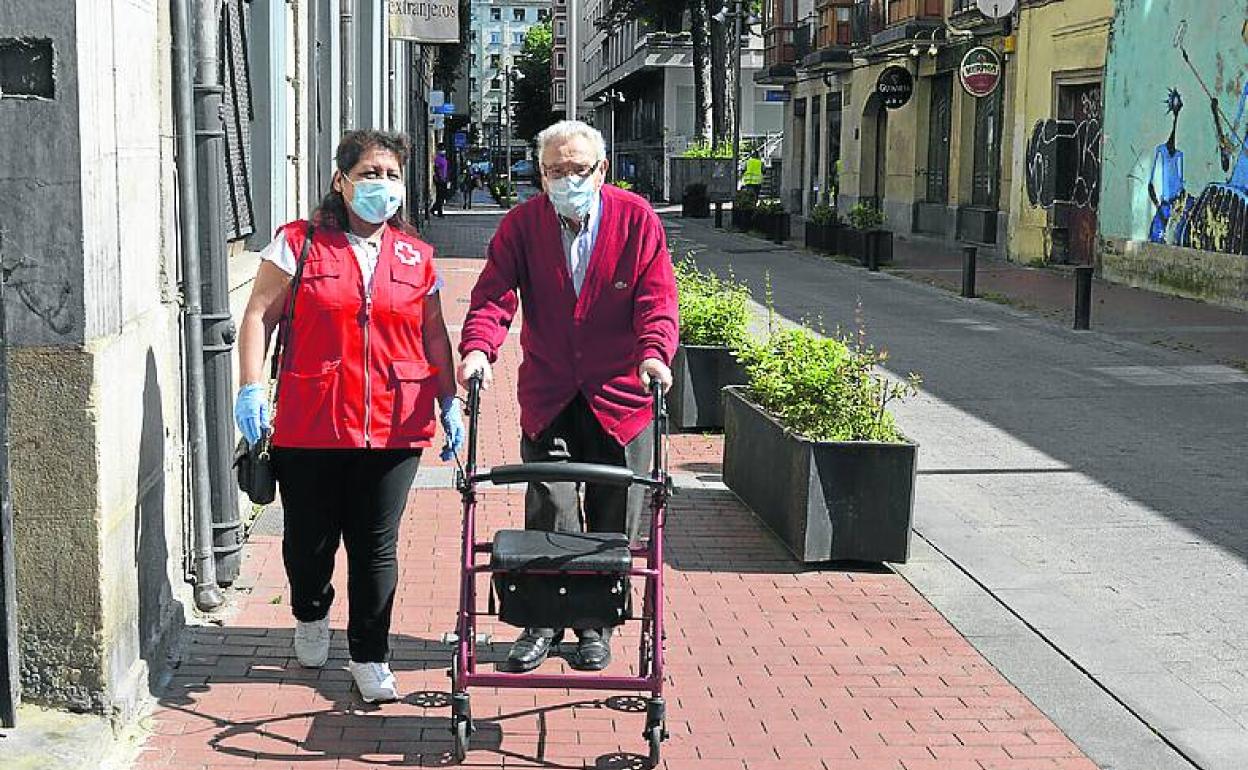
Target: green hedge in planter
x,y
713,310
824,388
822,227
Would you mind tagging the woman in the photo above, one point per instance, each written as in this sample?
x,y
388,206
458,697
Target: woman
x,y
367,354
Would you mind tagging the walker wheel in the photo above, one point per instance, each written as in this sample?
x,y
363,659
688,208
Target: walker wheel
x,y
460,752
655,736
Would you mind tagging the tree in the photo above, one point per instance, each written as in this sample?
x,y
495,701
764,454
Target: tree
x,y
703,125
532,92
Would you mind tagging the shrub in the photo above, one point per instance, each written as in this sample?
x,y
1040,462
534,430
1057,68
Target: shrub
x,y
713,310
623,184
824,388
865,216
770,206
823,214
745,201
704,149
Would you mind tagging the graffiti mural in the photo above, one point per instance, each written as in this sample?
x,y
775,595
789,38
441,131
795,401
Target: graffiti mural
x,y
1216,219
1064,163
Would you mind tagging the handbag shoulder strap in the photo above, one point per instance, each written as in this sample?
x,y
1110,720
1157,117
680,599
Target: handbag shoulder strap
x,y
284,324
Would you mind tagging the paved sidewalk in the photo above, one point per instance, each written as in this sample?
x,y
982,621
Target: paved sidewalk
x,y
771,665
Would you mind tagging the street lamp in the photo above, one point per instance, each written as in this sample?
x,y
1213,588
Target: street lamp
x,y
612,97
739,16
509,72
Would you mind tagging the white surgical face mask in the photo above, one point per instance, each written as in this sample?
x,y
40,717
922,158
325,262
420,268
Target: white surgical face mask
x,y
572,195
376,200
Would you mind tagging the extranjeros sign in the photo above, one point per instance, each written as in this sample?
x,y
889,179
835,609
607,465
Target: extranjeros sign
x,y
424,21
980,71
895,86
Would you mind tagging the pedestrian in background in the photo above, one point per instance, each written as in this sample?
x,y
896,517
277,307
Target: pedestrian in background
x,y
590,263
441,183
467,185
367,359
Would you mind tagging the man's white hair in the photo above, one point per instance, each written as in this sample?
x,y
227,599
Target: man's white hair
x,y
568,129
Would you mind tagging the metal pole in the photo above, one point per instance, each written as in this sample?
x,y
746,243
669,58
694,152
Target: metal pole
x,y
346,36
10,666
719,213
218,324
507,116
968,271
615,174
736,93
1083,297
574,60
207,596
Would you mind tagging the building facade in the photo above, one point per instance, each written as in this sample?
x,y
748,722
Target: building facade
x,y
496,38
638,87
1058,107
94,292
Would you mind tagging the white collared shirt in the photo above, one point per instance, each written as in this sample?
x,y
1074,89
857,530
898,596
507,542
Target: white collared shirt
x,y
579,246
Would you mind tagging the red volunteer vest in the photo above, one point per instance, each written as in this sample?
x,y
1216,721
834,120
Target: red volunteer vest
x,y
355,373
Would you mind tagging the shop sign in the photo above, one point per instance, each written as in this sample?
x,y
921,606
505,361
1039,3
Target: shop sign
x,y
895,86
980,71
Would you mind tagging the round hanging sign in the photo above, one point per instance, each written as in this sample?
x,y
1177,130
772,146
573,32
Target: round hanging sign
x,y
895,86
980,71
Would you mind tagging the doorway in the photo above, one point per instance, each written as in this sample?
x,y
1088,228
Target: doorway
x,y
1080,104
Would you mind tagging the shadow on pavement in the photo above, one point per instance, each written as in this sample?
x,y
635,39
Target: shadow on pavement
x,y
207,698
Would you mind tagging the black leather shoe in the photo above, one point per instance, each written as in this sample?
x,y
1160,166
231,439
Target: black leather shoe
x,y
530,650
592,654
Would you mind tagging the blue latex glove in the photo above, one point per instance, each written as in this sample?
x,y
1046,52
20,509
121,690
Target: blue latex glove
x,y
251,412
452,418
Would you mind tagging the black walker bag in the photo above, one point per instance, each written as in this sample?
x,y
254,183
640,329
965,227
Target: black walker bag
x,y
536,588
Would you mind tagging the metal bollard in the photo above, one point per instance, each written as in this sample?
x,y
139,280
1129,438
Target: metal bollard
x,y
1083,297
968,271
719,214
873,253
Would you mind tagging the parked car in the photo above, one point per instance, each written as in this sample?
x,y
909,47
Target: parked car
x,y
523,169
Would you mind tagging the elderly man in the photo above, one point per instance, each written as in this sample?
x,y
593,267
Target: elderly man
x,y
591,266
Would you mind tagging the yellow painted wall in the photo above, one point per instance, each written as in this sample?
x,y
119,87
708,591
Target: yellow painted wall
x,y
1066,36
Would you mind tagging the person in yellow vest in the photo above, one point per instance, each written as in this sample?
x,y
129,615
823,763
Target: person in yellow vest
x,y
752,177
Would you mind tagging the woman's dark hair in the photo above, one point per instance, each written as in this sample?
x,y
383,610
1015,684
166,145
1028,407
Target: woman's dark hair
x,y
332,211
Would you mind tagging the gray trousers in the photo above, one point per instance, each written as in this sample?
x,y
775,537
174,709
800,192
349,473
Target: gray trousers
x,y
576,436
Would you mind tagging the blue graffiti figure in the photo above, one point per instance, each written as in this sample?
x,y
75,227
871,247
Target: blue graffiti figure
x,y
1165,179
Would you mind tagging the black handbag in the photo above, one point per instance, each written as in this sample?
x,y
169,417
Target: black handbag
x,y
253,465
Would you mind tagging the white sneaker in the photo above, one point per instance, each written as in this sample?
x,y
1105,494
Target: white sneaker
x,y
375,681
312,642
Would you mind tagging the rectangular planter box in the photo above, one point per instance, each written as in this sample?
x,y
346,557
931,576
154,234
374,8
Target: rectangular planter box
x,y
742,219
823,238
853,243
825,500
699,373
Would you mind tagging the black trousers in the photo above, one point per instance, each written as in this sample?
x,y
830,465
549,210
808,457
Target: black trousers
x,y
577,436
355,496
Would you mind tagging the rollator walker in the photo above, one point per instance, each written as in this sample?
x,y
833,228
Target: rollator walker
x,y
560,580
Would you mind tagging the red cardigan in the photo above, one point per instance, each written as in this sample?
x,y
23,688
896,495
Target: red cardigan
x,y
591,344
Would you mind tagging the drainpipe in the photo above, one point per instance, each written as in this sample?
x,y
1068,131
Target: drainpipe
x,y
207,595
219,331
10,668
346,37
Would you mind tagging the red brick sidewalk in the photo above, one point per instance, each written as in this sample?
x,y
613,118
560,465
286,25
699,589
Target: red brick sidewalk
x,y
770,666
